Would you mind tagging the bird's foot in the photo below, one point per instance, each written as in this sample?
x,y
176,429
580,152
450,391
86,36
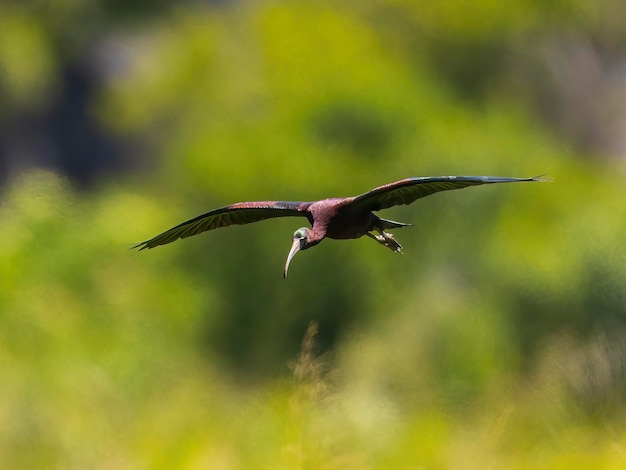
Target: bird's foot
x,y
391,243
387,239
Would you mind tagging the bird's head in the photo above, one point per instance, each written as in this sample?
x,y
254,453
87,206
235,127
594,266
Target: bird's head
x,y
300,242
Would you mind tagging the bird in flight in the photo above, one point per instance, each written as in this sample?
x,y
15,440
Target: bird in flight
x,y
337,218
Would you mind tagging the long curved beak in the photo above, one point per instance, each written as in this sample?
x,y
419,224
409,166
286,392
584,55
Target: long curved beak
x,y
294,249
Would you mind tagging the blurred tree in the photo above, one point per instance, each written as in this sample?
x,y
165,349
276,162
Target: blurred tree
x,y
494,339
238,103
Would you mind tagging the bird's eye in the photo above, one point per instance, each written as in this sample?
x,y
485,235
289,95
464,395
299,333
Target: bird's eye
x,y
300,233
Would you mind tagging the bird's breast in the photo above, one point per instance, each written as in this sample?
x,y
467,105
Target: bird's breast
x,y
349,225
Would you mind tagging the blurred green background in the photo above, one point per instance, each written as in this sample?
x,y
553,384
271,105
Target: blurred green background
x,y
497,341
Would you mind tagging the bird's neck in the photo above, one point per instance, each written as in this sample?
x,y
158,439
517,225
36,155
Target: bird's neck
x,y
315,235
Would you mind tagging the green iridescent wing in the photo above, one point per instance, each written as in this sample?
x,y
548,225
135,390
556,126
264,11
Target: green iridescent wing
x,y
235,214
409,190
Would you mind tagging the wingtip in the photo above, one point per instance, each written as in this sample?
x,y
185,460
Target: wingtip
x,y
139,246
542,179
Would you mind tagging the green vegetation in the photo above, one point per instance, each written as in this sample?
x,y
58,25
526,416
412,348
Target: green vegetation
x,y
496,341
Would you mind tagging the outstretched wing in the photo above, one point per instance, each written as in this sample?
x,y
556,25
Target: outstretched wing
x,y
408,190
235,214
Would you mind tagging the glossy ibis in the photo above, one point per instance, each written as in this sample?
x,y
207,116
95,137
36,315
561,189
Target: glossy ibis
x,y
338,218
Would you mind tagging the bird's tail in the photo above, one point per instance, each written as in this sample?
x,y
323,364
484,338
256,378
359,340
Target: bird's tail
x,y
389,224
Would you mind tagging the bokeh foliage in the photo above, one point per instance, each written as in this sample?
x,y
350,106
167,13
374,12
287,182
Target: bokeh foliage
x,y
496,341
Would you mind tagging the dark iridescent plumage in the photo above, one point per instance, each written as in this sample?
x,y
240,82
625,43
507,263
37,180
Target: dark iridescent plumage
x,y
338,218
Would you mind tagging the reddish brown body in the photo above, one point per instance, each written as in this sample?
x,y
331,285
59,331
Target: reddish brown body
x,y
332,218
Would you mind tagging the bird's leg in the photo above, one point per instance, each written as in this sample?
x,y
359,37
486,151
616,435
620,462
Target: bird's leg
x,y
387,239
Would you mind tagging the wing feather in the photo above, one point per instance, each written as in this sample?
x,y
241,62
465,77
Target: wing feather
x,y
409,190
235,214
